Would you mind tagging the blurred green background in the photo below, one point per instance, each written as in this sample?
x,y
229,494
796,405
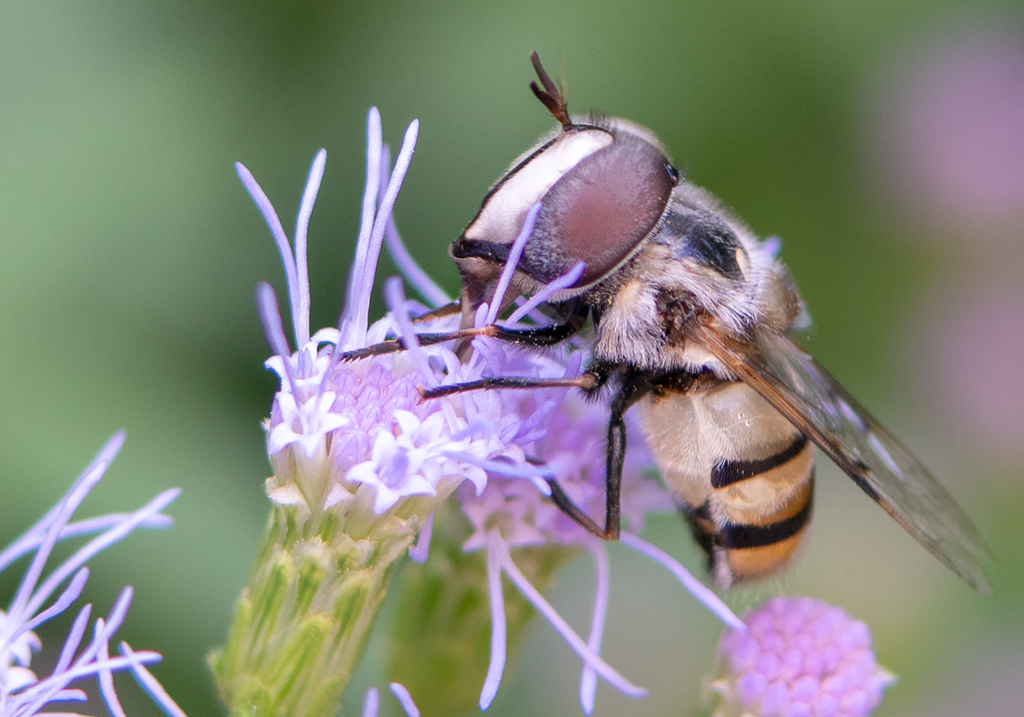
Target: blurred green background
x,y
883,141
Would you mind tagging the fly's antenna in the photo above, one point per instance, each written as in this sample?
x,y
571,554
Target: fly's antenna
x,y
552,97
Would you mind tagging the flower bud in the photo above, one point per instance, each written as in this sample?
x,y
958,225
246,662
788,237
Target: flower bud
x,y
799,657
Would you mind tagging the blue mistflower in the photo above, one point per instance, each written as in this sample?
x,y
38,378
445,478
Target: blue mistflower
x,y
798,658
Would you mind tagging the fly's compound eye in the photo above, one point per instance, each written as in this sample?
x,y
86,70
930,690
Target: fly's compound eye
x,y
600,211
602,192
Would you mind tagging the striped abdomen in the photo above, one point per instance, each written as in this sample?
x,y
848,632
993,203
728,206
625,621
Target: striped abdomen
x,y
744,474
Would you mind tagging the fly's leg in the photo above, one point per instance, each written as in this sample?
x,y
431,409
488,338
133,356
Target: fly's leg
x,y
586,382
532,336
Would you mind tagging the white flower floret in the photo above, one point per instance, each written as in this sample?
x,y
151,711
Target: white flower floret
x,y
14,672
307,423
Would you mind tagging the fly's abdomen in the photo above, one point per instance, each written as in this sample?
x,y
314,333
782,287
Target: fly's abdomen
x,y
743,473
760,510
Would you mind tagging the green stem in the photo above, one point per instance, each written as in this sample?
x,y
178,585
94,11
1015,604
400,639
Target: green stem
x,y
302,623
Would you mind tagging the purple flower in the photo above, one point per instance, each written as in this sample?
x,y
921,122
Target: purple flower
x,y
798,657
22,692
354,440
357,437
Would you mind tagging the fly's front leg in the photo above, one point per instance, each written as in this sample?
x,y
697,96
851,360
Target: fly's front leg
x,y
532,336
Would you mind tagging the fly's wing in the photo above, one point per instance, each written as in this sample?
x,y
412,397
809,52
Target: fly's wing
x,y
806,394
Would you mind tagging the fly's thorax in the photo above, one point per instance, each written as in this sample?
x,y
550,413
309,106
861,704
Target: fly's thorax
x,y
637,324
699,261
628,327
730,275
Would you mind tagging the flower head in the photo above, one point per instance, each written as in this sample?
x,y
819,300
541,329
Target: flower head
x,y
356,437
798,657
22,692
